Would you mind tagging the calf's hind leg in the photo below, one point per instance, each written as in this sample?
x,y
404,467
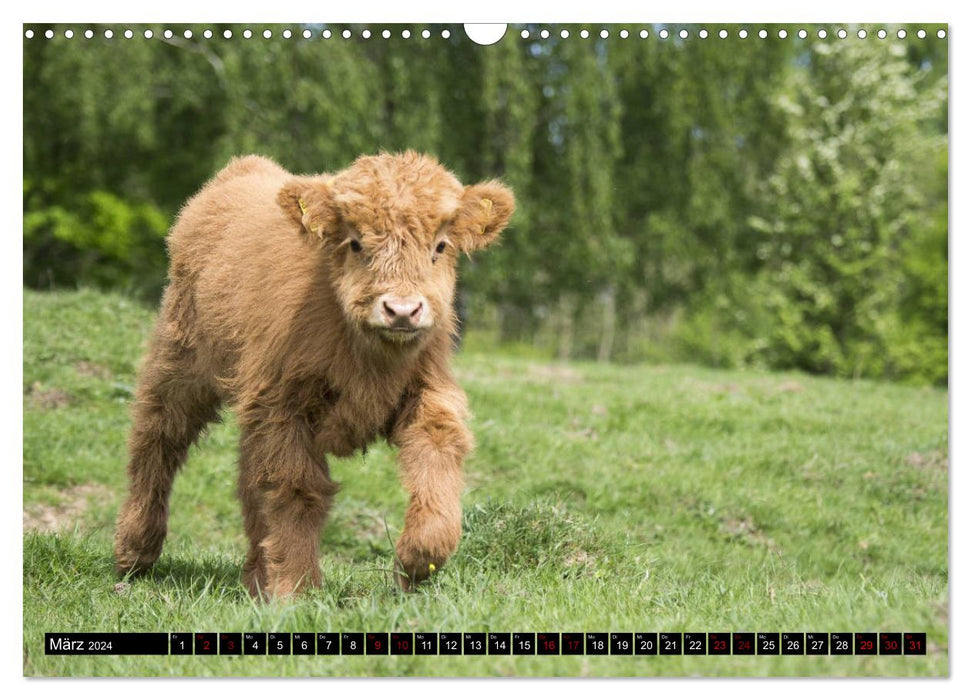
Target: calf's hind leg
x,y
171,408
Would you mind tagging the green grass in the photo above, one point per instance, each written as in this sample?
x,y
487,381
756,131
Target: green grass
x,y
600,498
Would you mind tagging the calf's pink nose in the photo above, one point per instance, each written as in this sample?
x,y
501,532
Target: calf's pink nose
x,y
402,311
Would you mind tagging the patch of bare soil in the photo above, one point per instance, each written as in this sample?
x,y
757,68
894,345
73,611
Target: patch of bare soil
x,y
579,561
74,501
553,374
579,431
92,369
935,460
744,530
48,397
711,387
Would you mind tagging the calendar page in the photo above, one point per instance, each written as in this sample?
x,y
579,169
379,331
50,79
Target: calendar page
x,y
526,349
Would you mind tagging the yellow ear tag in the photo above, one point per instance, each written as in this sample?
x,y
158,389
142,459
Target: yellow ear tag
x,y
487,204
303,207
431,568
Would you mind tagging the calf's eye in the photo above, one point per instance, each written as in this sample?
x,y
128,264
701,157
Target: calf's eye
x,y
440,248
355,245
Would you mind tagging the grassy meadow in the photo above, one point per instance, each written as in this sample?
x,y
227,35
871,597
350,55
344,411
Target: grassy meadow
x,y
600,498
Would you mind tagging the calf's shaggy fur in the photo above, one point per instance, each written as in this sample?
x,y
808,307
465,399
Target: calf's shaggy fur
x,y
321,309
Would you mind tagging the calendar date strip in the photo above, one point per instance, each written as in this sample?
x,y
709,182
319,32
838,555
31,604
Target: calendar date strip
x,y
486,643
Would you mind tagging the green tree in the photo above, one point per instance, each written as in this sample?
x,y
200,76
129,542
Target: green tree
x,y
781,202
840,217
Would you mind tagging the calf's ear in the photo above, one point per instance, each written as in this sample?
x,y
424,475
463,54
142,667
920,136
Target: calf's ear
x,y
483,213
310,203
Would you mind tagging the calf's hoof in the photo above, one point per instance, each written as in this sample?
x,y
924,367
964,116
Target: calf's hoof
x,y
286,585
131,562
139,539
409,579
415,563
254,579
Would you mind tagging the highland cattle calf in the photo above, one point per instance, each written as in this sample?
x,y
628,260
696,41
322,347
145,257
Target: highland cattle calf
x,y
321,309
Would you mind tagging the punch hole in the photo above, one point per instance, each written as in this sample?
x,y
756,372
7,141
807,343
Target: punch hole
x,y
148,34
406,34
267,34
88,34
446,34
644,34
207,34
821,34
584,34
841,33
941,34
921,34
783,33
703,33
346,33
763,34
386,34
228,34
683,34
366,34
69,34
565,34
49,34
742,34
326,34
663,33
624,33
247,34
723,34
167,33
187,34
129,34
29,34
524,34
803,33
287,34
901,33
545,34
425,34
861,33
882,34
307,33
604,33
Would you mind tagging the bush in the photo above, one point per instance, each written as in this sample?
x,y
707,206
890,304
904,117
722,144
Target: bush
x,y
92,238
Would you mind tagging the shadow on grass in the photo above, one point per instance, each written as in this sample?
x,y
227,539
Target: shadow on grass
x,y
70,559
210,575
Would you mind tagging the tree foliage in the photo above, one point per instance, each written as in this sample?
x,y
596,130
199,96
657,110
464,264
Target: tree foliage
x,y
776,202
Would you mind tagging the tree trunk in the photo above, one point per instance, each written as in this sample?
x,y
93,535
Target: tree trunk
x,y
606,349
566,312
514,323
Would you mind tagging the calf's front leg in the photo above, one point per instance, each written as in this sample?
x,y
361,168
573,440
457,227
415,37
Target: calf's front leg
x,y
434,440
286,493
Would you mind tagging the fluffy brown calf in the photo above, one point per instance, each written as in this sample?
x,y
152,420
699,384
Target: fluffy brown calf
x,y
320,308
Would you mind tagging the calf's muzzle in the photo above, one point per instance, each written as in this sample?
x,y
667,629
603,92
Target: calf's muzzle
x,y
400,313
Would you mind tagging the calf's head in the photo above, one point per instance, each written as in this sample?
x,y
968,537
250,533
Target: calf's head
x,y
392,227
